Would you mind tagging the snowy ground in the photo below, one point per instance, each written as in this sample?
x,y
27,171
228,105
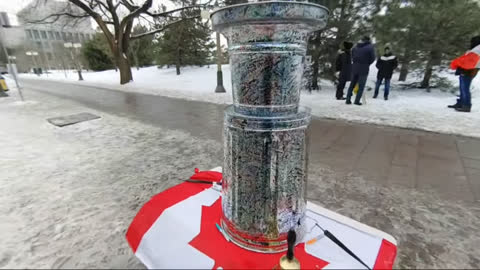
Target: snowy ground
x,y
412,108
67,195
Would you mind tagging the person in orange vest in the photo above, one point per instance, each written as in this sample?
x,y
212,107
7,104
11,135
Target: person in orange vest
x,y
466,67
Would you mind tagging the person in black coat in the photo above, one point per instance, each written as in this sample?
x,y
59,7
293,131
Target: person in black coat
x,y
386,64
344,67
363,56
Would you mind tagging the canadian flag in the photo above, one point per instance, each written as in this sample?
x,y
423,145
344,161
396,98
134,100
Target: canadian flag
x,y
176,230
470,60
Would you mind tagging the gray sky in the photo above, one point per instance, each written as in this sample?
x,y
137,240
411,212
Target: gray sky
x,y
12,6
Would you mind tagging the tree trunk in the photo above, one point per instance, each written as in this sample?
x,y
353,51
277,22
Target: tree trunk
x,y
135,58
427,76
177,62
316,63
434,59
405,61
403,72
125,69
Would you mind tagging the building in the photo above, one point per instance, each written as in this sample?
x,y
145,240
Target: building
x,y
46,38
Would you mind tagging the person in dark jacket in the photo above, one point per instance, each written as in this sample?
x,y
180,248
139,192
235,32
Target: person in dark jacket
x,y
466,67
344,67
363,56
386,64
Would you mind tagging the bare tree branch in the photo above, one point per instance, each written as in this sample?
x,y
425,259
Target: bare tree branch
x,y
97,17
166,13
146,5
158,30
55,17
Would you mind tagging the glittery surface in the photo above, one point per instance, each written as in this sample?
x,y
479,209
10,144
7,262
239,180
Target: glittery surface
x,y
267,47
264,177
265,131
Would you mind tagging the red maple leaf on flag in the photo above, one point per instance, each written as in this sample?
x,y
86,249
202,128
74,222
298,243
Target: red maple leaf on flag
x,y
230,256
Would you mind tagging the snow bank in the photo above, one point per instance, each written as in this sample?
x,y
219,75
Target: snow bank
x,y
411,108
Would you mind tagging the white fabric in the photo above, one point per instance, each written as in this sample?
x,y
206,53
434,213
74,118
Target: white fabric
x,y
364,245
165,244
388,58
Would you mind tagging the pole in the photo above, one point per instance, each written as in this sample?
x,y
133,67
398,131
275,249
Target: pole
x,y
77,65
35,64
219,88
11,67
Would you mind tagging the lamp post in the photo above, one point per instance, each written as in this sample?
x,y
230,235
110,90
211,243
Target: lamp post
x,y
72,47
205,14
33,54
219,88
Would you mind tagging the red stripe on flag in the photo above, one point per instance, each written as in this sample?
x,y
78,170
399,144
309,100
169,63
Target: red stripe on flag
x,y
150,211
386,256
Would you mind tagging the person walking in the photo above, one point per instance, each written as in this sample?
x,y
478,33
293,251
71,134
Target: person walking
x,y
363,55
467,67
386,64
344,67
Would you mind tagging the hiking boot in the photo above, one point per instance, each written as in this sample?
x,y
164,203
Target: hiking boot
x,y
386,98
348,102
463,108
358,103
456,105
375,96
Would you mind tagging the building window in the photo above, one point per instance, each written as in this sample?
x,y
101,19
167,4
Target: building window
x,y
39,44
29,34
36,34
75,38
82,37
44,34
57,36
49,56
46,44
50,35
69,37
64,36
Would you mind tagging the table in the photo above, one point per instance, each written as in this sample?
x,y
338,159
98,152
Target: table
x,y
176,229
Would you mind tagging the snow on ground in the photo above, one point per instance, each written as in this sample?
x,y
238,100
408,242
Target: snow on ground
x,y
67,195
411,108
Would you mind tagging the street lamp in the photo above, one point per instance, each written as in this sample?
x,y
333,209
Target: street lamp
x,y
219,88
33,54
72,47
205,14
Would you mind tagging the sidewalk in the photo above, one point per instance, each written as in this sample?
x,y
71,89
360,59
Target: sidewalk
x,y
407,108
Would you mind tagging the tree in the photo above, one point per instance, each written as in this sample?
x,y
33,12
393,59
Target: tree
x,y
141,49
426,34
185,43
96,53
116,19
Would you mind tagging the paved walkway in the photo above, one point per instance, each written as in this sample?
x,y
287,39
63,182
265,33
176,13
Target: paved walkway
x,y
446,165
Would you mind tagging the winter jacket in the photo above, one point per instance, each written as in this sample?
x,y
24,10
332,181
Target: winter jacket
x,y
468,64
386,65
344,65
363,56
